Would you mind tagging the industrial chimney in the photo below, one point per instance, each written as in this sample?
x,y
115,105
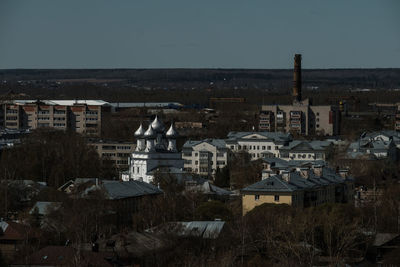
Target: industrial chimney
x,y
297,78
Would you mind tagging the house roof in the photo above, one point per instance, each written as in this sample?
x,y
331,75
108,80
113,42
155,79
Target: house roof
x,y
271,184
383,238
43,207
301,145
65,102
204,229
120,190
219,143
274,136
296,181
15,231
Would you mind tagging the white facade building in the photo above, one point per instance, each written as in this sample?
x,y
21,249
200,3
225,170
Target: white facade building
x,y
258,144
302,150
155,148
205,157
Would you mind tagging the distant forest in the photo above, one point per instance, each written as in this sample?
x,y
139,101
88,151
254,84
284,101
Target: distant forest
x,y
195,85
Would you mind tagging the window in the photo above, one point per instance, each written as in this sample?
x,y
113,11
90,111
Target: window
x,y
317,119
244,147
137,169
317,125
276,198
256,197
232,147
269,148
196,162
196,154
258,147
220,155
263,147
276,147
317,113
239,147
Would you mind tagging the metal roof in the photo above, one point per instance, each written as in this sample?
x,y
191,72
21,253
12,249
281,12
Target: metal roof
x,y
43,207
64,102
219,143
120,190
276,136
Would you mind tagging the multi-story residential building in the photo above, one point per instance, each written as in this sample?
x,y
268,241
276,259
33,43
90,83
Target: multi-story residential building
x,y
258,144
116,152
306,150
205,157
155,148
82,116
301,117
303,187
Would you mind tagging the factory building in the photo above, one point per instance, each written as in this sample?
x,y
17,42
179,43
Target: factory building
x,y
301,117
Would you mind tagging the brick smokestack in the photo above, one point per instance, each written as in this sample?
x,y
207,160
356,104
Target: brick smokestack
x,y
297,78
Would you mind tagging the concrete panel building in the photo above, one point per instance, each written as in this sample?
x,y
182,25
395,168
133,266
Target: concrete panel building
x,y
82,116
301,117
116,152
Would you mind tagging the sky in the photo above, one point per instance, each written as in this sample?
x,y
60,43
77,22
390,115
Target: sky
x,y
199,34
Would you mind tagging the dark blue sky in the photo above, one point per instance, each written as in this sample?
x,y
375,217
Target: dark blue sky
x,y
196,34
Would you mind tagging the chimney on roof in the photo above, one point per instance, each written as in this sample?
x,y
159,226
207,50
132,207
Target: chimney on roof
x,y
317,169
304,173
286,176
265,174
297,78
344,173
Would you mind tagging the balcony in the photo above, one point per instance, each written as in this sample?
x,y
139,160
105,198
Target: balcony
x,y
295,114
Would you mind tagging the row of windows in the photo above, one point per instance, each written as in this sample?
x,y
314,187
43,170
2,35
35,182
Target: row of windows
x,y
204,154
276,198
244,147
124,147
11,118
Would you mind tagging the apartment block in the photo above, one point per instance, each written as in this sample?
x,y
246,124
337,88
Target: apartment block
x,y
117,153
82,116
205,157
300,118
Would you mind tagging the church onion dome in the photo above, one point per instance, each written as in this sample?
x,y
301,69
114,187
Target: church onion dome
x,y
150,133
157,125
140,131
172,133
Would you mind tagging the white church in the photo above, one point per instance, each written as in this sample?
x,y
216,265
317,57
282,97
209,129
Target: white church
x,y
155,148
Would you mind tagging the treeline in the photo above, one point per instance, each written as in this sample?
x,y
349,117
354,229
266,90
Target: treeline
x,y
53,157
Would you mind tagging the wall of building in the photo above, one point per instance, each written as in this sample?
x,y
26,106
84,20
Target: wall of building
x,y
81,118
300,118
249,201
116,152
204,159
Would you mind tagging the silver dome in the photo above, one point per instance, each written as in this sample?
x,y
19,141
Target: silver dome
x,y
172,133
150,133
140,131
157,125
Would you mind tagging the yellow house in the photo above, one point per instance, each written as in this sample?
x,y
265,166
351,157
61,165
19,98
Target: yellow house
x,y
300,188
